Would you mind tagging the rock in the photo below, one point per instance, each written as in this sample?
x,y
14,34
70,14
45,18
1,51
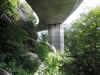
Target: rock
x,y
3,72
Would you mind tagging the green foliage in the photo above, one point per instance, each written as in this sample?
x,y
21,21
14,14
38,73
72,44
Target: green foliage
x,y
51,65
9,7
15,70
82,40
14,49
51,62
31,16
42,50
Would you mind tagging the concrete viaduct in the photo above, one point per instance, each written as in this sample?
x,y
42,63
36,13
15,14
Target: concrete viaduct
x,y
51,14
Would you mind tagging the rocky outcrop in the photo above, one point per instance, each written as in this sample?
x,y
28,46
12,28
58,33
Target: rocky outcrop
x,y
3,72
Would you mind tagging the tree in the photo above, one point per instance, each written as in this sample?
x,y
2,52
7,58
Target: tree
x,y
82,40
15,53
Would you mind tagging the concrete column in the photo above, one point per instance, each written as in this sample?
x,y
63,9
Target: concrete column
x,y
56,36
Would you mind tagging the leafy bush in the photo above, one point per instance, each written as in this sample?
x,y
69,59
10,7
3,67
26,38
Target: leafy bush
x,y
51,65
51,62
15,70
42,50
82,40
14,49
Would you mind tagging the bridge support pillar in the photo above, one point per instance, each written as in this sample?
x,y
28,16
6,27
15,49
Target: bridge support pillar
x,y
56,36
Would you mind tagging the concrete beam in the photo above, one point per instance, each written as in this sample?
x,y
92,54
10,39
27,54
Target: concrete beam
x,y
53,11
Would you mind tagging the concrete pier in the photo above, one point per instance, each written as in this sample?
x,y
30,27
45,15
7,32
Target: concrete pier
x,y
56,36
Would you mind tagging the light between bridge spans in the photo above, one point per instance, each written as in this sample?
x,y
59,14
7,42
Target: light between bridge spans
x,y
85,6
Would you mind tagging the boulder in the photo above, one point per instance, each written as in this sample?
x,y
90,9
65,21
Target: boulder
x,y
4,72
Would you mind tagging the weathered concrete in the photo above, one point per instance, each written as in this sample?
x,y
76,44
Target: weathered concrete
x,y
56,37
53,11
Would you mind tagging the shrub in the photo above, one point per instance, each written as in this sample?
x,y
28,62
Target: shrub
x,y
51,65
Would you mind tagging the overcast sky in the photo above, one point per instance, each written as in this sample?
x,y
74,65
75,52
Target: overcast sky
x,y
84,7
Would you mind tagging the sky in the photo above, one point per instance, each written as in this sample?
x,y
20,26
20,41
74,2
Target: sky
x,y
22,1
85,6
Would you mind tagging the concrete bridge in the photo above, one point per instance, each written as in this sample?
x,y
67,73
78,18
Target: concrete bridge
x,y
51,14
